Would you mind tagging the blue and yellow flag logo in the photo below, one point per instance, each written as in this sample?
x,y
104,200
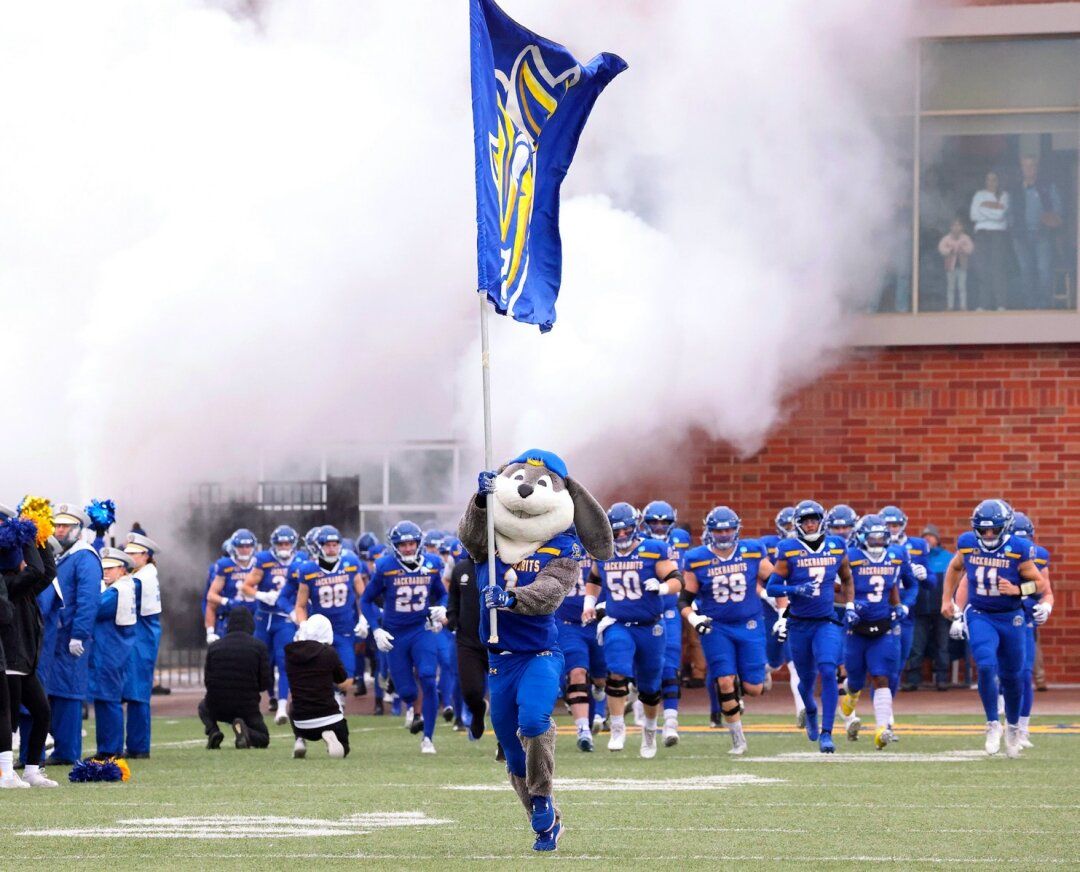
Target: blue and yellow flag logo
x,y
531,99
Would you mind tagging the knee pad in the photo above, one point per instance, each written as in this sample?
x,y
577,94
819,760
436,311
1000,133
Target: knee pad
x,y
671,688
577,694
651,698
729,702
618,687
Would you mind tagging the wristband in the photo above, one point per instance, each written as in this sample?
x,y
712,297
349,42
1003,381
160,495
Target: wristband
x,y
1028,588
849,607
590,601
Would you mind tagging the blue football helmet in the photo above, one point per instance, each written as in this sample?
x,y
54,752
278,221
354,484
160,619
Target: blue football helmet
x,y
1022,526
891,516
325,537
841,521
658,518
449,544
242,538
399,534
785,522
872,535
991,521
309,541
433,539
284,540
805,511
365,543
722,526
624,520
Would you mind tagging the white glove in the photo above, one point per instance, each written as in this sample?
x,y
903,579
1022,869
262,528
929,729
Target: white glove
x,y
383,640
919,571
779,629
1041,612
211,636
605,622
437,613
696,621
75,648
362,628
958,629
268,597
652,585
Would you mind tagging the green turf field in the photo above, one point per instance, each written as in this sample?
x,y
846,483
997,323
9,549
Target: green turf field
x,y
929,801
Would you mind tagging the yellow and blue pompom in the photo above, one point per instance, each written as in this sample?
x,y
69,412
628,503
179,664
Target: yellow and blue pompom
x,y
39,510
102,515
106,769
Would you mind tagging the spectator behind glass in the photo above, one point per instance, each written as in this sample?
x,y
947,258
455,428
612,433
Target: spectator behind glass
x,y
1035,217
990,215
955,248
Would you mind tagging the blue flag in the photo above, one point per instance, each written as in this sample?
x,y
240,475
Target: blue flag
x,y
530,100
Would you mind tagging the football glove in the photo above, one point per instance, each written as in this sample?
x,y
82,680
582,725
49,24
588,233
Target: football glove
x,y
804,589
899,612
701,623
1041,612
383,640
75,648
919,571
780,629
362,628
496,597
485,482
211,636
268,597
851,616
958,629
604,623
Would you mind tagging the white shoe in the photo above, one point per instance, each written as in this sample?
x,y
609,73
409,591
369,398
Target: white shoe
x,y
299,749
852,726
427,746
334,747
639,712
993,737
12,781
597,724
38,779
1012,741
617,740
671,733
1025,739
282,716
648,743
410,716
738,746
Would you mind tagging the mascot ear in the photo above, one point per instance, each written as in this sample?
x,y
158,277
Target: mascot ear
x,y
591,522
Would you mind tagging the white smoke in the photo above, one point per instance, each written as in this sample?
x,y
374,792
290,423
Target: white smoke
x,y
228,235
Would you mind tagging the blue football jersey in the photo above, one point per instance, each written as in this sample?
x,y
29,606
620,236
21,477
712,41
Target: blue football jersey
x,y
984,568
769,543
570,608
874,580
274,575
332,592
727,587
234,575
817,567
1042,561
526,633
407,594
916,550
623,581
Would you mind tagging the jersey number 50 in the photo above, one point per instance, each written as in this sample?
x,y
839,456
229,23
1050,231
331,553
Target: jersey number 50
x,y
624,585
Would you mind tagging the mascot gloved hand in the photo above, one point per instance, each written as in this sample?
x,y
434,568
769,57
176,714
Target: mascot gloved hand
x,y
545,523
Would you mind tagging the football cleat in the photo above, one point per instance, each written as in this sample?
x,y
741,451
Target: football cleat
x,y
848,702
378,710
448,713
549,841
715,720
282,716
852,727
410,716
584,741
1025,739
738,745
648,743
334,748
800,718
38,779
299,749
825,743
1012,742
427,746
993,737
214,740
599,725
671,733
883,737
617,739
811,722
417,726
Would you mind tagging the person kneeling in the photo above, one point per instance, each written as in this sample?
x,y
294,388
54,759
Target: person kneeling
x,y
237,672
315,671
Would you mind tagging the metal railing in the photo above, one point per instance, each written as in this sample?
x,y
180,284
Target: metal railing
x,y
180,667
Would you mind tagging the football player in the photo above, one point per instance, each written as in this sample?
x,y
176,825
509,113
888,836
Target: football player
x,y
805,571
1023,527
991,572
409,580
872,621
659,520
777,647
635,580
229,575
583,658
724,576
272,623
917,551
446,682
840,521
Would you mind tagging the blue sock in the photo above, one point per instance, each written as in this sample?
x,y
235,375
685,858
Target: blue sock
x,y
830,695
988,691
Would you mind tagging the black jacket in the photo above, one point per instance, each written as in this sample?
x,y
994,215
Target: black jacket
x,y
314,670
463,608
21,638
237,668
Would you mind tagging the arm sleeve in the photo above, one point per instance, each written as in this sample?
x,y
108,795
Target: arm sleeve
x,y
30,581
777,586
87,595
106,608
438,592
549,589
368,609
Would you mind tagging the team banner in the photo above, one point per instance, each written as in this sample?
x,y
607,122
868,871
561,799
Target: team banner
x,y
530,100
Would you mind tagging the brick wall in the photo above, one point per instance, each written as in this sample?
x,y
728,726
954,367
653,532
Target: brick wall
x,y
933,430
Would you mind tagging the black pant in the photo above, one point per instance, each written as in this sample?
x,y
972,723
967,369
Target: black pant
x,y
26,690
340,729
930,638
5,713
260,735
472,664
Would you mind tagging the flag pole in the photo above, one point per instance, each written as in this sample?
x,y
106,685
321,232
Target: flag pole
x,y
489,462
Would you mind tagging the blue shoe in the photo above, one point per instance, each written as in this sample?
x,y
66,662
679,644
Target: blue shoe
x,y
826,744
812,726
549,840
543,814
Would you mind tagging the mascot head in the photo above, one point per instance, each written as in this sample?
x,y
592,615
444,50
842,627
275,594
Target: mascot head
x,y
535,500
